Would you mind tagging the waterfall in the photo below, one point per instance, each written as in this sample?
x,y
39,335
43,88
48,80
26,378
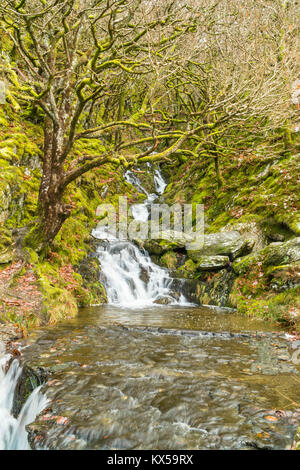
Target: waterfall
x,y
130,277
13,435
159,182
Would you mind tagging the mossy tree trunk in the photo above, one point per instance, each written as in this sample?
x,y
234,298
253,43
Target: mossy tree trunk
x,y
220,180
51,209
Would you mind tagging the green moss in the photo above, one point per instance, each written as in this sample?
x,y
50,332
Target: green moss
x,y
243,265
188,270
169,260
63,289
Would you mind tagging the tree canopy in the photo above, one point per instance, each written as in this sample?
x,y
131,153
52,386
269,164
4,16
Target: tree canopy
x,y
147,81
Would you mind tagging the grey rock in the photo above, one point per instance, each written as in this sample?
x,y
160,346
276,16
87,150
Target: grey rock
x,y
230,244
277,254
212,263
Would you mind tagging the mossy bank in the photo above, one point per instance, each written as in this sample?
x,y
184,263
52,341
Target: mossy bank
x,y
37,289
250,259
251,252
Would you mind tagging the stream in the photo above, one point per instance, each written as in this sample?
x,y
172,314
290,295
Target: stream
x,y
134,374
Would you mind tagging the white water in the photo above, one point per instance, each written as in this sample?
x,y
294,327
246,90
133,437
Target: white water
x,y
140,212
159,182
13,435
131,278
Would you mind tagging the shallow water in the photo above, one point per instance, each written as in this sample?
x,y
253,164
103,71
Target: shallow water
x,y
166,378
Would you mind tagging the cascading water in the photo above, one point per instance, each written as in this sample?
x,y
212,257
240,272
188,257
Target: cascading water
x,y
159,182
131,280
13,435
130,277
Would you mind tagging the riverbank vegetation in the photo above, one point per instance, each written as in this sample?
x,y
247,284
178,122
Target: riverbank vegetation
x,y
209,90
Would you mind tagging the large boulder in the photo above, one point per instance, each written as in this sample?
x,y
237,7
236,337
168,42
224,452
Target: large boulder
x,y
187,271
181,267
169,260
284,277
230,244
277,254
251,231
214,289
242,265
165,241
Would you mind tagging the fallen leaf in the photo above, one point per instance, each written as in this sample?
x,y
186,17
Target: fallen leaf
x,y
271,418
263,435
62,420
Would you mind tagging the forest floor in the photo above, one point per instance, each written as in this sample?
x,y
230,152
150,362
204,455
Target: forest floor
x,y
20,297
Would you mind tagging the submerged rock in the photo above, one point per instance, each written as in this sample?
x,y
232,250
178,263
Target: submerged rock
x,y
144,275
162,301
27,382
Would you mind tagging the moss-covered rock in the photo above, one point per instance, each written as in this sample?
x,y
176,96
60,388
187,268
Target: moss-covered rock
x,y
6,255
284,277
169,260
188,270
250,230
214,289
281,253
165,241
186,287
297,440
212,263
230,244
275,231
27,382
243,264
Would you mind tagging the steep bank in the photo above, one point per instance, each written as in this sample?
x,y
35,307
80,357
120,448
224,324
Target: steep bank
x,y
36,290
250,259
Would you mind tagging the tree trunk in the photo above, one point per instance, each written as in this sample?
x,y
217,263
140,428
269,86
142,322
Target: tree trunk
x,y
52,217
218,173
51,210
52,213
